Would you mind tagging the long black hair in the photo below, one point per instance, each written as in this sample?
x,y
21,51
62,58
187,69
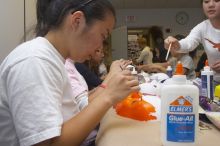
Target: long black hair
x,y
51,13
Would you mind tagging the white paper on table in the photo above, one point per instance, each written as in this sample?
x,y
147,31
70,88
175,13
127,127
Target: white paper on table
x,y
159,76
149,88
156,102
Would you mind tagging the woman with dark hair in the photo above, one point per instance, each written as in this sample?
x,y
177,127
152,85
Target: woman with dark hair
x,y
206,33
36,102
159,52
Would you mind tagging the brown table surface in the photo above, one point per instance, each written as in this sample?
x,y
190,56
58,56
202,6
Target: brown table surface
x,y
119,131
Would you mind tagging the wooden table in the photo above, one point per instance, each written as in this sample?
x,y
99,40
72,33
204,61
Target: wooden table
x,y
120,131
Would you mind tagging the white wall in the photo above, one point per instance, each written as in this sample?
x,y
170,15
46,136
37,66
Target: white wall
x,y
161,17
30,18
12,18
12,24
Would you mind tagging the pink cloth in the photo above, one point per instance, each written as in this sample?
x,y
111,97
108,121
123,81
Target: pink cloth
x,y
77,81
79,86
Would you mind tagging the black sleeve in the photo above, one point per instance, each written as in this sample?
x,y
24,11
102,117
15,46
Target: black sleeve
x,y
91,78
201,62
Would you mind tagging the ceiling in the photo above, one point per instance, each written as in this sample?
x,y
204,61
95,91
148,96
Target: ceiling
x,y
155,4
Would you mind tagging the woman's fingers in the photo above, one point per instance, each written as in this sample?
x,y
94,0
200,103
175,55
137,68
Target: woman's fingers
x,y
125,63
133,83
171,40
121,84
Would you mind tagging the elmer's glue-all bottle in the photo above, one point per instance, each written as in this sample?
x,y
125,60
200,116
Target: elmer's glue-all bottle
x,y
179,111
207,81
169,71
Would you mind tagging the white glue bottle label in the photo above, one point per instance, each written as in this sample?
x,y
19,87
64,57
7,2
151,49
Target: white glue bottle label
x,y
207,82
179,111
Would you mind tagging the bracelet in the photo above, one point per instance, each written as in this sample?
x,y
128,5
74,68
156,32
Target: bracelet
x,y
102,86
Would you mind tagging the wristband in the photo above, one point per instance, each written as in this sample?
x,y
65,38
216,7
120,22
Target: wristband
x,y
102,86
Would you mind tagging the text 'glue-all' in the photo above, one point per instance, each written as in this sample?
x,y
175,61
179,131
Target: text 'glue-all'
x,y
179,111
207,81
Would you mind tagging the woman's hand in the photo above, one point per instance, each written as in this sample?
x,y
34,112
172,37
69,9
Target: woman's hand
x,y
152,68
119,82
124,63
119,65
216,66
171,40
157,68
145,68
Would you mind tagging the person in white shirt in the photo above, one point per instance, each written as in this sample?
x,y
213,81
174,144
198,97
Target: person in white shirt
x,y
37,105
185,59
187,62
207,33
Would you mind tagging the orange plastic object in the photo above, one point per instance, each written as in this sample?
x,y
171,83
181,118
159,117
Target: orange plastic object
x,y
135,108
206,63
179,69
136,95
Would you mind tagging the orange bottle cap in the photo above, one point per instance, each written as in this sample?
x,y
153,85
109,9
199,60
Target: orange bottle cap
x,y
206,63
179,69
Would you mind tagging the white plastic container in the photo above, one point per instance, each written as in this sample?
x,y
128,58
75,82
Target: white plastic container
x,y
134,73
179,112
207,82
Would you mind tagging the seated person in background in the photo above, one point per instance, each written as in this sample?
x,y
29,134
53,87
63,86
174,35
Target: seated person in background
x,y
78,83
184,58
80,93
90,69
157,40
187,62
158,55
146,55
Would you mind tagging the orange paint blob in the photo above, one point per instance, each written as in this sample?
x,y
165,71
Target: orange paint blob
x,y
135,108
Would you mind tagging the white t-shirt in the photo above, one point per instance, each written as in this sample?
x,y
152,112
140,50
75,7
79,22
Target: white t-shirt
x,y
36,95
198,35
